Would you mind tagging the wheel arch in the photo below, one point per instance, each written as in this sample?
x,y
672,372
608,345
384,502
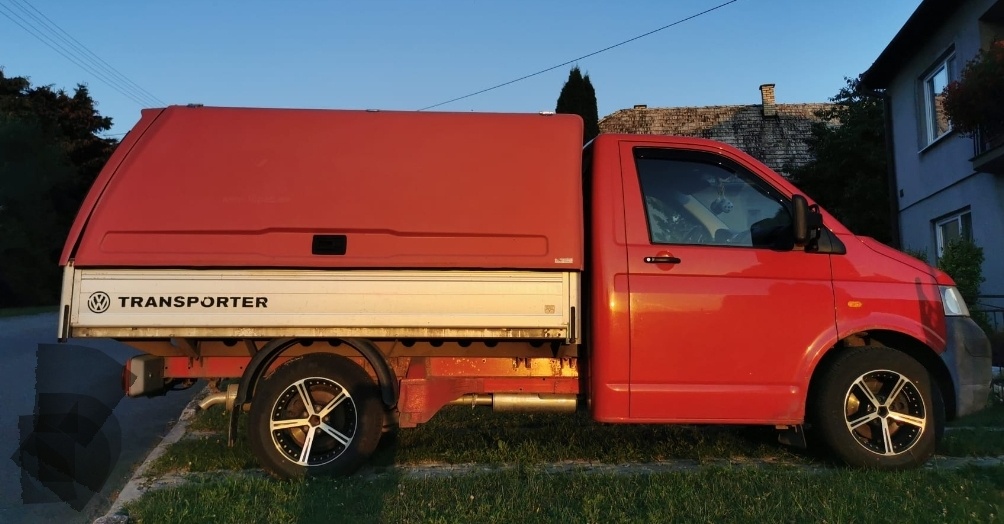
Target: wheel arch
x,y
268,354
910,345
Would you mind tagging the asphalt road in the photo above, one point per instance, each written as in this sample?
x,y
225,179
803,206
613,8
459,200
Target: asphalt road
x,y
84,375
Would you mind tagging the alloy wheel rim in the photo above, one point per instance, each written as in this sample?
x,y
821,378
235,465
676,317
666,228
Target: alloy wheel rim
x,y
885,412
313,421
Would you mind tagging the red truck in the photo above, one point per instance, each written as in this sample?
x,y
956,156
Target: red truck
x,y
359,270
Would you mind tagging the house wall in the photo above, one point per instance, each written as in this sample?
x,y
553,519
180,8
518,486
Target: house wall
x,y
938,179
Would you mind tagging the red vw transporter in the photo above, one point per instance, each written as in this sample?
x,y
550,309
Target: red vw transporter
x,y
359,270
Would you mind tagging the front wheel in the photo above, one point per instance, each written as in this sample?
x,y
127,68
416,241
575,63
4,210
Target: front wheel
x,y
319,414
874,408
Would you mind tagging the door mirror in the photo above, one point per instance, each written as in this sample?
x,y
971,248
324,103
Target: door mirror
x,y
808,221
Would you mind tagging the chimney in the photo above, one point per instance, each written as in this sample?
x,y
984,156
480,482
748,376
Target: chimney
x,y
640,106
767,99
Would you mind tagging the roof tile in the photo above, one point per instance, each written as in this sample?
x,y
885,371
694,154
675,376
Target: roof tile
x,y
775,141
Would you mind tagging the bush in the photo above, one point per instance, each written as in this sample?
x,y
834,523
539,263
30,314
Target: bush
x,y
963,261
919,254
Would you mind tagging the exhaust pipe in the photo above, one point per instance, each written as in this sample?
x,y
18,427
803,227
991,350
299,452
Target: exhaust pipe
x,y
228,397
522,402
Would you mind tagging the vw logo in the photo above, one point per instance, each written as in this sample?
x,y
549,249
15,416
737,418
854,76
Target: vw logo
x,y
99,302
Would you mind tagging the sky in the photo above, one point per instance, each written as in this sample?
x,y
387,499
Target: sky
x,y
411,54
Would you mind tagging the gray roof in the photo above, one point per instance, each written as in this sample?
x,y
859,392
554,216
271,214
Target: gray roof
x,y
774,140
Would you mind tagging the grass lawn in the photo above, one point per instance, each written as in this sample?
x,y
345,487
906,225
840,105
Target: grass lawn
x,y
526,491
977,435
461,435
526,494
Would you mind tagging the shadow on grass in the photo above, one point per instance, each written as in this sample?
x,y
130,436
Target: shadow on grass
x,y
977,442
991,417
460,435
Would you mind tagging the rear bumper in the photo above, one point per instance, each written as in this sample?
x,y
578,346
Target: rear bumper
x,y
968,359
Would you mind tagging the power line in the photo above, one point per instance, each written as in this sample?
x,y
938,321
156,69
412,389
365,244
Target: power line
x,y
94,59
4,10
66,53
572,61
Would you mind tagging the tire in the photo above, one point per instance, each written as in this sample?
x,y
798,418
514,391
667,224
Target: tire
x,y
340,430
874,408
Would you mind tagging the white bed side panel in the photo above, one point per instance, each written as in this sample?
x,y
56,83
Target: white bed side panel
x,y
324,299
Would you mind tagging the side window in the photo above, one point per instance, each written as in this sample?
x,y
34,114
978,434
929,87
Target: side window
x,y
704,199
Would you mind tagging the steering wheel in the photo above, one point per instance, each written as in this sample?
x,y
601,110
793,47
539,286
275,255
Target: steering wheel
x,y
741,238
697,235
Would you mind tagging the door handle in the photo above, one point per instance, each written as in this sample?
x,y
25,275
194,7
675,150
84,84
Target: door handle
x,y
662,260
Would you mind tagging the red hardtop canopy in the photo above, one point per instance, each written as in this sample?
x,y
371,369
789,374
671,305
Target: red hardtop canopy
x,y
236,187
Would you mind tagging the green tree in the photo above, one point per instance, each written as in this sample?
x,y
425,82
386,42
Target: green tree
x,y
72,122
32,168
848,175
578,97
50,154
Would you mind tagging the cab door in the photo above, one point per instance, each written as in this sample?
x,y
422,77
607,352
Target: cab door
x,y
724,308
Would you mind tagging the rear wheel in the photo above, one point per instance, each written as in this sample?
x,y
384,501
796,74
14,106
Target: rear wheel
x,y
874,407
319,414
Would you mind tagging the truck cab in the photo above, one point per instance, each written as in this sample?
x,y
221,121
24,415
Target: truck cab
x,y
733,316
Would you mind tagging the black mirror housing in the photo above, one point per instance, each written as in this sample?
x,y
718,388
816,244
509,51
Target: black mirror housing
x,y
807,220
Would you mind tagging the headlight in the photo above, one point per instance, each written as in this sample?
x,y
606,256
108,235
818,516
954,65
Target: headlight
x,y
955,306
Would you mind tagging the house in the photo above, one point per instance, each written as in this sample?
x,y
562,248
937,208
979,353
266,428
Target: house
x,y
945,185
773,133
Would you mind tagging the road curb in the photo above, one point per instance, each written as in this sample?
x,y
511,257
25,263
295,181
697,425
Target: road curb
x,y
137,485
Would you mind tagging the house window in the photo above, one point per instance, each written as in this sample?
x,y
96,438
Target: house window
x,y
935,119
953,227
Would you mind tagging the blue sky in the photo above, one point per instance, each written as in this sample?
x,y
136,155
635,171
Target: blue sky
x,y
409,54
